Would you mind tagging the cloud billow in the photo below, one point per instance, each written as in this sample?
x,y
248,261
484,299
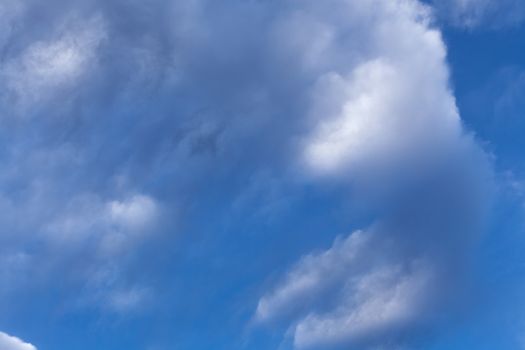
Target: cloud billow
x,y
121,118
387,126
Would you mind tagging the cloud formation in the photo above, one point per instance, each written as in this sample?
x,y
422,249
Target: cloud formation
x,y
8,342
387,126
361,288
123,118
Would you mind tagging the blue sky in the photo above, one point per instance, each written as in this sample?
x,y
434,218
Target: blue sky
x,y
260,174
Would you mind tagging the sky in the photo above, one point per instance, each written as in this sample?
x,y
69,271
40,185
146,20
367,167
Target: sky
x,y
262,174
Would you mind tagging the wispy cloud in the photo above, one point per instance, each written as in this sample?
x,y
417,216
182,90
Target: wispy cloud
x,y
485,14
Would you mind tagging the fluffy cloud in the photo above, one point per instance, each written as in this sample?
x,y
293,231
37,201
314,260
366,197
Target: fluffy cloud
x,y
8,342
368,117
131,111
365,291
380,110
383,301
386,123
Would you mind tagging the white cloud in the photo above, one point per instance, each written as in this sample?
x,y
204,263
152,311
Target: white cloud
x,y
8,342
103,232
370,76
135,213
385,298
89,216
47,66
311,275
382,117
357,291
391,106
378,124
